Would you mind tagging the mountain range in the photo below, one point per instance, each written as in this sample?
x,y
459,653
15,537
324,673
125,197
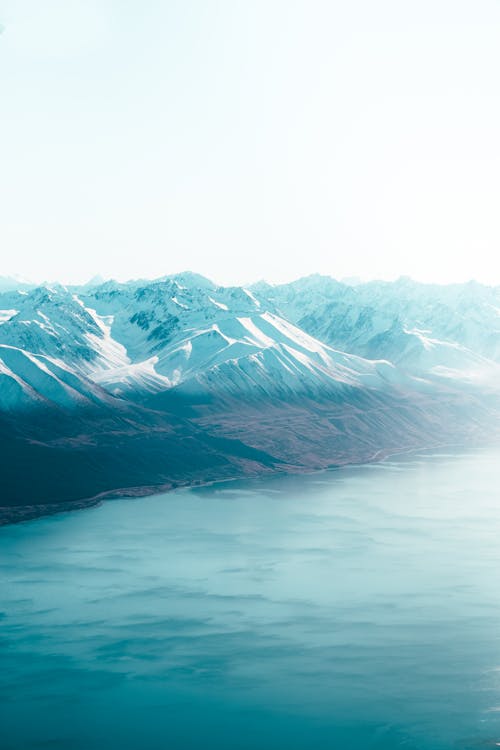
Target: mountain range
x,y
113,388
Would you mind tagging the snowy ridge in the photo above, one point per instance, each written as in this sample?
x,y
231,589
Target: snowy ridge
x,y
423,329
27,379
65,345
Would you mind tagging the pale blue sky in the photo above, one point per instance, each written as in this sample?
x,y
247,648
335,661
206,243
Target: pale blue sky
x,y
250,139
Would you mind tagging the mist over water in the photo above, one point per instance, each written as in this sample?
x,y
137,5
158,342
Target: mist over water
x,y
353,609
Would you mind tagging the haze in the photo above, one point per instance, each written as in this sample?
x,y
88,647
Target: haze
x,y
250,139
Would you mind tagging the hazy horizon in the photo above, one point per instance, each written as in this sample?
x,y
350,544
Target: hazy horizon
x,y
353,280
242,140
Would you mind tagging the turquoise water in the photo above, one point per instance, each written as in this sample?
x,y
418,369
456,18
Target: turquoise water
x,y
350,609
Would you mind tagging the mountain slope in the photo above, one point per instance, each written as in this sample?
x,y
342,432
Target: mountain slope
x,y
416,326
130,387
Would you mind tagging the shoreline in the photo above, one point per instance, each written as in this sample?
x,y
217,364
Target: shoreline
x,y
10,515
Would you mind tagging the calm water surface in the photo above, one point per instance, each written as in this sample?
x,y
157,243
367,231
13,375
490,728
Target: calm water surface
x,y
345,610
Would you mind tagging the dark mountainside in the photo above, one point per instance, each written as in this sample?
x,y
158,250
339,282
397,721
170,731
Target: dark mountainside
x,y
55,460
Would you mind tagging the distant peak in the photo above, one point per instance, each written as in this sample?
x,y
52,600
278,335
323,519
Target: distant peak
x,y
96,280
14,283
190,279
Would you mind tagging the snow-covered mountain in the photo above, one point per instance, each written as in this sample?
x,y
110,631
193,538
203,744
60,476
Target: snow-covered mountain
x,y
136,338
144,337
28,380
301,375
449,331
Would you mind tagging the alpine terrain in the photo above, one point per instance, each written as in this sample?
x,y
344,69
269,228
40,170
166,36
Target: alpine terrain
x,y
113,388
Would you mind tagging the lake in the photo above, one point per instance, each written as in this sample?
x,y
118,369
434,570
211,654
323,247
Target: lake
x,y
357,608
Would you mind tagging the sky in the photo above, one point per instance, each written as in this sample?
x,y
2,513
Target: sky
x,y
249,139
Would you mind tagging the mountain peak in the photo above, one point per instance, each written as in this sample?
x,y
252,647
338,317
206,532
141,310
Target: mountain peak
x,y
189,279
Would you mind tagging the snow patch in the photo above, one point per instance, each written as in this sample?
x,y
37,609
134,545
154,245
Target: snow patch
x,y
260,338
112,354
252,297
180,304
220,305
6,315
